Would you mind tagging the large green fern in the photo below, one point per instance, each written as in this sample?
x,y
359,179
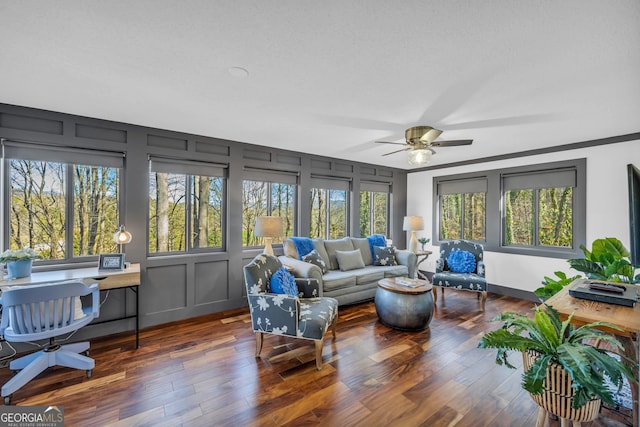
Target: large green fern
x,y
560,342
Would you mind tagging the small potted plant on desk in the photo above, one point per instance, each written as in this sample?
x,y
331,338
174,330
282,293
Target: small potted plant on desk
x,y
562,374
423,241
19,262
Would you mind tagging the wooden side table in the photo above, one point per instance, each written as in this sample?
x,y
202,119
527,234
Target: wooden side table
x,y
424,255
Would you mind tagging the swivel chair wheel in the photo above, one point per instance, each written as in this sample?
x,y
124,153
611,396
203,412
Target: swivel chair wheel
x,y
89,373
7,400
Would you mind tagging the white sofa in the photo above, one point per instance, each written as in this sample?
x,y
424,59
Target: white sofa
x,y
351,286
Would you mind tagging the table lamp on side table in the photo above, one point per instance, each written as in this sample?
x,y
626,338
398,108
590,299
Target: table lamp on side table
x,y
268,227
122,237
413,224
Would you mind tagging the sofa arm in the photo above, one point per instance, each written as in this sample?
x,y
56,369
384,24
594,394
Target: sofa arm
x,y
274,313
439,265
409,259
303,269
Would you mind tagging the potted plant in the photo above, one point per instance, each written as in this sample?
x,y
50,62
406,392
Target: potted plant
x,y
423,241
19,262
552,285
549,346
607,260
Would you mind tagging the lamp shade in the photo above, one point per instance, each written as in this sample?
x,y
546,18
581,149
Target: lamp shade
x,y
268,226
122,236
413,223
419,157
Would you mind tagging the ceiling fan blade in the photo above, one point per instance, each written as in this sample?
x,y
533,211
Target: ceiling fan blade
x,y
430,135
453,143
397,151
387,142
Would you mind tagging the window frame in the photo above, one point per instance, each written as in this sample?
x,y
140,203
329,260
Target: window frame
x,y
328,184
69,157
189,169
375,188
495,207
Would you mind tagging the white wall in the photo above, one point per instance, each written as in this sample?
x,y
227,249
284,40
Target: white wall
x,y
607,208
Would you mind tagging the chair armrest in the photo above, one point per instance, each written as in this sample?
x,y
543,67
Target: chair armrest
x,y
480,269
274,313
308,288
407,258
439,265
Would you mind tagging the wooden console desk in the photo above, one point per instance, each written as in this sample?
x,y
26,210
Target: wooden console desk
x,y
626,318
128,278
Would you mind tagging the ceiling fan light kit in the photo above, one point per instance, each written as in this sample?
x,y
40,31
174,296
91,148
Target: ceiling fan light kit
x,y
418,142
419,157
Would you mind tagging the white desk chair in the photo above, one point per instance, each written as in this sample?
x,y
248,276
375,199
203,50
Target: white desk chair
x,y
36,312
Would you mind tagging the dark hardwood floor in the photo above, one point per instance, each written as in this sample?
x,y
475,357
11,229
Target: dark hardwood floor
x,y
202,372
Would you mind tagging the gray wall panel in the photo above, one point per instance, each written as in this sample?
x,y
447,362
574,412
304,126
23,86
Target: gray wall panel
x,y
211,282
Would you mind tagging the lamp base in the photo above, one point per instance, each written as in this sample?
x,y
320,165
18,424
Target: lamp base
x,y
268,249
413,243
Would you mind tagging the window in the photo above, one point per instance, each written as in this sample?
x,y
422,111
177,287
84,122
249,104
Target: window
x,y
539,208
374,208
53,190
260,198
328,199
531,210
185,199
462,209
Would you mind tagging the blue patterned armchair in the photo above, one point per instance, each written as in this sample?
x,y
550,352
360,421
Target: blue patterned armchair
x,y
305,316
469,281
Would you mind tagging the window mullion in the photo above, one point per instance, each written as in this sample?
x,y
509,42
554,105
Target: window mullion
x,y
69,211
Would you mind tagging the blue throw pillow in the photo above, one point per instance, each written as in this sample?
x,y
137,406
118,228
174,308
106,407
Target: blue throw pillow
x,y
461,262
283,282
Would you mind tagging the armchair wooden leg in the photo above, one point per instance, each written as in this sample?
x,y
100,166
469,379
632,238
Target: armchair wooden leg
x,y
258,343
434,291
484,299
319,345
333,326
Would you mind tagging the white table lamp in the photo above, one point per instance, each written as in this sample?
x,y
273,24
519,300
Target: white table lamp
x,y
413,224
268,227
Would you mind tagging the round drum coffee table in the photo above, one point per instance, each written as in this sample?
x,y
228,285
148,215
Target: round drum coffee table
x,y
407,308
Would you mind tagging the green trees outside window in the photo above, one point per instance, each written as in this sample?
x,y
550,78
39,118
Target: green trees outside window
x,y
261,198
463,216
174,198
539,217
48,198
328,213
374,207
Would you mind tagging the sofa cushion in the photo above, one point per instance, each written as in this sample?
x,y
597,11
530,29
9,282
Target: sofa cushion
x,y
314,258
318,243
289,249
362,244
368,274
385,256
461,261
283,282
395,271
336,279
349,260
332,246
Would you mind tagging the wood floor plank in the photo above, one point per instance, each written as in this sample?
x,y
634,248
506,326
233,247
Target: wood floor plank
x,y
203,372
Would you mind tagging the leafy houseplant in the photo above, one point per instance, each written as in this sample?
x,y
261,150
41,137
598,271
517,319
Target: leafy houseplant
x,y
553,286
557,342
608,260
423,241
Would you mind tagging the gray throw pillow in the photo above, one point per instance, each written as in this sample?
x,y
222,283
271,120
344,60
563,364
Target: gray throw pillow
x,y
314,258
332,246
349,260
384,256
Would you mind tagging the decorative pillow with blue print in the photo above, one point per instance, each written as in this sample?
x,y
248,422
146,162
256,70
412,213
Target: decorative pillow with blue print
x,y
384,255
461,262
283,282
314,258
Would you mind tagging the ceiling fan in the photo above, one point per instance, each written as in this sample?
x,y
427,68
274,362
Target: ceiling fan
x,y
419,143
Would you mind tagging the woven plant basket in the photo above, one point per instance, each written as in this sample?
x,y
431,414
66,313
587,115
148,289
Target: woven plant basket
x,y
558,395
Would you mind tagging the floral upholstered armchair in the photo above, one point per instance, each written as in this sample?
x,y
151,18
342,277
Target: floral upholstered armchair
x,y
299,314
461,266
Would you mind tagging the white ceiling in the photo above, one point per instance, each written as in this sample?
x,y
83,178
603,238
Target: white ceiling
x,y
331,77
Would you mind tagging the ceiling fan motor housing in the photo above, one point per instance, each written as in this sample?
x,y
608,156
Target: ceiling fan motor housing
x,y
416,135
